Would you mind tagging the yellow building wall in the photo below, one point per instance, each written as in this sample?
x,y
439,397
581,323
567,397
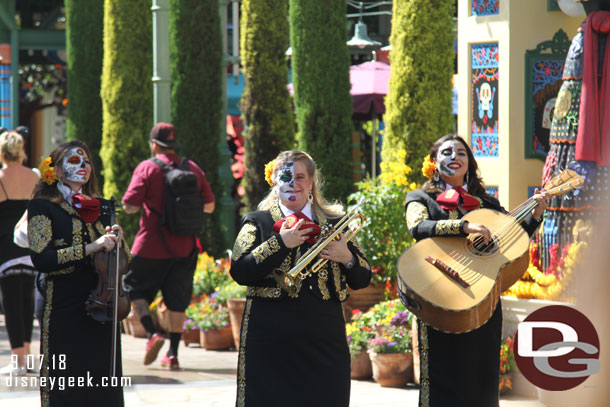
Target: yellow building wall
x,y
520,26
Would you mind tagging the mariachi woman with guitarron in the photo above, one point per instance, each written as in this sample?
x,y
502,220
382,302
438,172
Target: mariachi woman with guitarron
x,y
67,225
458,369
293,349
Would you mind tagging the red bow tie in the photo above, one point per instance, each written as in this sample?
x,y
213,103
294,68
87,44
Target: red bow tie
x,y
87,208
450,199
291,220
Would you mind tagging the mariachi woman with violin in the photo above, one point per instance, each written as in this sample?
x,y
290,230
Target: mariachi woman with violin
x,y
67,226
293,348
458,369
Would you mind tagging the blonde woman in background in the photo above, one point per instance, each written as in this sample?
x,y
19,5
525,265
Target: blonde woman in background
x,y
16,271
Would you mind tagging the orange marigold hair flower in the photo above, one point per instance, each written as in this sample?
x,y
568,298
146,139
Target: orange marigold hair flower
x,y
269,172
47,172
428,168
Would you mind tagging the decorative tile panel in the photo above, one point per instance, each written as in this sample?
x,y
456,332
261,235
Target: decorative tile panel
x,y
485,7
485,75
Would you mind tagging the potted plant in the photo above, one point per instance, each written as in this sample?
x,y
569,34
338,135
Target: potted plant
x,y
507,359
391,357
210,274
235,297
359,332
213,321
190,330
384,235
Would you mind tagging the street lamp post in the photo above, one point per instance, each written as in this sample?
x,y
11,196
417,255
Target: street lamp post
x,y
161,76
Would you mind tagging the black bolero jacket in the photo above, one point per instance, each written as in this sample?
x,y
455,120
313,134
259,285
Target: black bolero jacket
x,y
58,236
426,218
258,251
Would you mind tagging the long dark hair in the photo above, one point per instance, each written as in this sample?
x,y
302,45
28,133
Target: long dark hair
x,y
475,183
50,192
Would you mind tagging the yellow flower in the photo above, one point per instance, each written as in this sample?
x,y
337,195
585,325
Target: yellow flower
x,y
47,172
269,172
428,168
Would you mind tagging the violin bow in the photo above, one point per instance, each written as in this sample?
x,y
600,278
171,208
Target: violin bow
x,y
115,296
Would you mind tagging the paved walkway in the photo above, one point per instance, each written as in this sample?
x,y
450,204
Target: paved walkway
x,y
207,380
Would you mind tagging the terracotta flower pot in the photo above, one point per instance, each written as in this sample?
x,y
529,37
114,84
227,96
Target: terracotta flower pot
x,y
392,369
365,298
217,339
135,326
361,367
236,312
191,336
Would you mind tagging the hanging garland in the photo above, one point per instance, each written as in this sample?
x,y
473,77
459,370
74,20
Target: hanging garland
x,y
535,284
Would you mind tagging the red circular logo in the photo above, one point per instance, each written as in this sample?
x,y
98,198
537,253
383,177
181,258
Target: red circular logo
x,y
556,348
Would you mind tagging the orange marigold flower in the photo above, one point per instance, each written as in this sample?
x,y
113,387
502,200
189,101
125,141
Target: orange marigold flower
x,y
428,168
47,172
269,172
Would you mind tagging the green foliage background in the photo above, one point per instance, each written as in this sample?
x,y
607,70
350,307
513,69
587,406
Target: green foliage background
x,y
196,69
418,105
127,96
265,103
85,48
320,73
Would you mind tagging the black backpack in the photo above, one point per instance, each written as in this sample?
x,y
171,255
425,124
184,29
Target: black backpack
x,y
183,213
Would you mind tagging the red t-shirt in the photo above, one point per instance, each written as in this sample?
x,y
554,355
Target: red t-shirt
x,y
147,190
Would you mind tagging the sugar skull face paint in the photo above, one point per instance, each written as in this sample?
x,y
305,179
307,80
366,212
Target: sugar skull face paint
x,y
76,166
452,158
285,182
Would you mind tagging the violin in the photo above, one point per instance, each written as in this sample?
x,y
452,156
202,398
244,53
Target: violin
x,y
108,302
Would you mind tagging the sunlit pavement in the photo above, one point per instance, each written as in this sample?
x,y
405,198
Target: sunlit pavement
x,y
207,379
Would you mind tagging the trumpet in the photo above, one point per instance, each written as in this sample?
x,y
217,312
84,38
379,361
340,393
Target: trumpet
x,y
352,221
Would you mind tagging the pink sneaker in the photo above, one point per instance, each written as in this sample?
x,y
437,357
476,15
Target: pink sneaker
x,y
170,362
153,346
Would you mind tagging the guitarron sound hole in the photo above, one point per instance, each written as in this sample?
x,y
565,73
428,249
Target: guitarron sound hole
x,y
477,246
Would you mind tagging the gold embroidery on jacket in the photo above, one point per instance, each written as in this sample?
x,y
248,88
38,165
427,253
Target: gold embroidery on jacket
x,y
46,320
266,249
68,208
323,282
39,233
448,227
424,380
241,366
245,239
264,292
416,212
76,251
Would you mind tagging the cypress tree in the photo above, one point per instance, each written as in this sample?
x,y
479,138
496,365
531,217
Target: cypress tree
x,y
196,69
265,102
84,46
127,95
320,72
418,105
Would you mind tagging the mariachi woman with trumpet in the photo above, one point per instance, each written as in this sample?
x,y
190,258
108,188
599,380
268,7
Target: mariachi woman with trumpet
x,y
293,348
66,227
458,369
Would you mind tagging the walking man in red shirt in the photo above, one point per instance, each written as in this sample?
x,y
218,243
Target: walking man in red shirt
x,y
161,260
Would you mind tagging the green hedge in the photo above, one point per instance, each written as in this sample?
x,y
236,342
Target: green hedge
x,y
84,46
127,96
196,69
418,105
265,103
320,72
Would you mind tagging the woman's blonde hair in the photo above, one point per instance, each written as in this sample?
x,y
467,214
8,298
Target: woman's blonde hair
x,y
11,147
330,209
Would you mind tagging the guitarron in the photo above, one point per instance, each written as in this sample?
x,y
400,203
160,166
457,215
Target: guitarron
x,y
453,283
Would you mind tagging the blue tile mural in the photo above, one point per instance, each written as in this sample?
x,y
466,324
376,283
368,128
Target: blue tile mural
x,y
484,126
493,191
5,95
485,7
